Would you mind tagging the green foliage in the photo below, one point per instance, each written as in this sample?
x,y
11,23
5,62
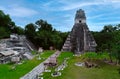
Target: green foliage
x,y
43,35
108,40
18,30
43,25
34,52
43,39
58,38
47,53
93,55
4,32
4,19
7,26
74,72
64,55
6,71
4,25
90,55
109,28
108,37
30,30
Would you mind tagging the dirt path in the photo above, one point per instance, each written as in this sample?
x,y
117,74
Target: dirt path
x,y
39,69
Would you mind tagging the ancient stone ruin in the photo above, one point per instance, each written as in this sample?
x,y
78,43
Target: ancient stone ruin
x,y
80,39
15,48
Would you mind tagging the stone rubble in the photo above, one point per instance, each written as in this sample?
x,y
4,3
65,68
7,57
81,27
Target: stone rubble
x,y
39,69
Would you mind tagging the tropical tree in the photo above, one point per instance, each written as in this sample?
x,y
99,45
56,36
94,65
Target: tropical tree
x,y
4,33
18,30
108,39
30,30
5,20
6,25
43,25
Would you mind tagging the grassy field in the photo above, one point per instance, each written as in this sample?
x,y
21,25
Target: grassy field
x,y
105,71
6,71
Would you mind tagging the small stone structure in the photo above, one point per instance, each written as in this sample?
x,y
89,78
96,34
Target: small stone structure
x,y
15,59
55,74
80,64
91,64
63,65
52,60
40,49
5,56
2,46
80,39
14,49
39,69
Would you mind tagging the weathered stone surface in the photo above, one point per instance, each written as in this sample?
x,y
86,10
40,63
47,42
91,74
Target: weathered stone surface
x,y
35,72
80,39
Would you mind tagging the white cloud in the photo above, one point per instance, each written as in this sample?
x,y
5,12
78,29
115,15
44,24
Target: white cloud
x,y
104,16
111,1
18,11
78,5
96,16
48,3
65,5
110,22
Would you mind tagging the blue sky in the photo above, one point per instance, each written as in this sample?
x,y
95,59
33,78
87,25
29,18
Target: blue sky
x,y
61,13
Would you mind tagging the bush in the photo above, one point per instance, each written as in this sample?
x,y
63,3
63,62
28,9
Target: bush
x,y
93,55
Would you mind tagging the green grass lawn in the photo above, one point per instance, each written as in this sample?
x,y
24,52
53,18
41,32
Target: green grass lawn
x,y
105,71
6,71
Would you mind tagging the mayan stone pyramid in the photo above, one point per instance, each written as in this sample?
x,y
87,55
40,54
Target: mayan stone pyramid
x,y
80,39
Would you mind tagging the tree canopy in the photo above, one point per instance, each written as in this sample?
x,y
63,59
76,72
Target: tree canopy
x,y
108,40
7,26
43,35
